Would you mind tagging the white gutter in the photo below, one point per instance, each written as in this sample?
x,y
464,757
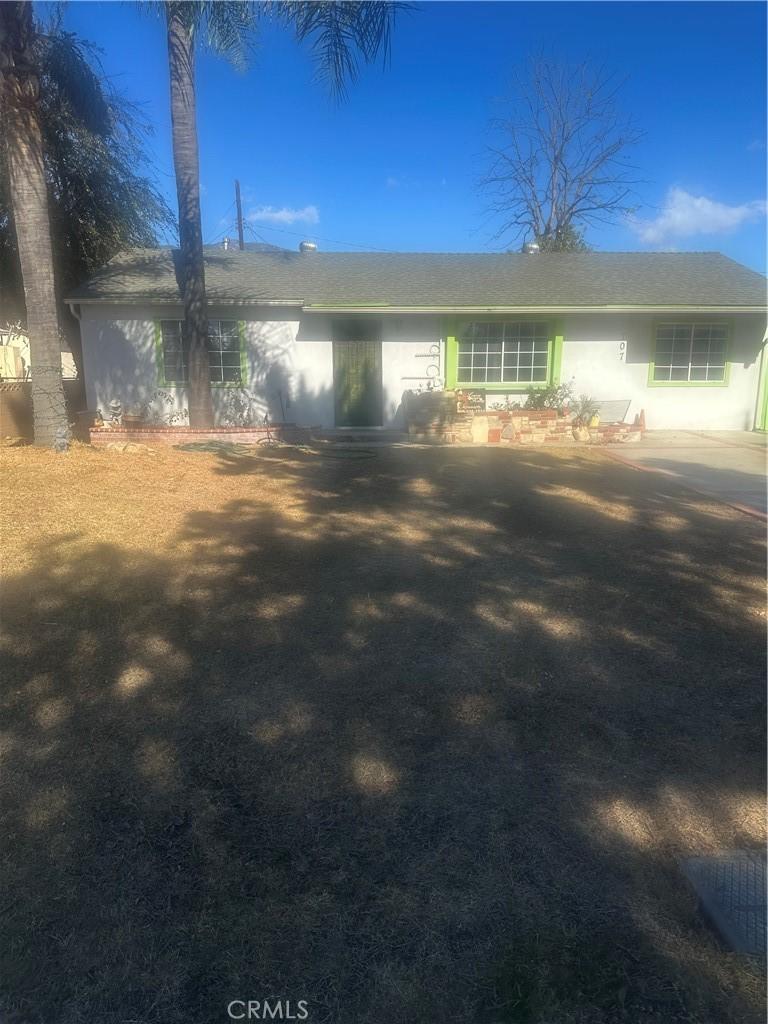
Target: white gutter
x,y
149,300
317,308
314,307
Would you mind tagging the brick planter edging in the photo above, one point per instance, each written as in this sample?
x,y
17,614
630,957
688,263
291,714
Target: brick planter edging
x,y
102,436
535,426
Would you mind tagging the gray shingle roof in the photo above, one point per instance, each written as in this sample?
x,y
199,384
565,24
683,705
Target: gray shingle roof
x,y
437,279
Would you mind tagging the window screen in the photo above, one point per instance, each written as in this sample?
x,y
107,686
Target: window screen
x,y
690,352
491,353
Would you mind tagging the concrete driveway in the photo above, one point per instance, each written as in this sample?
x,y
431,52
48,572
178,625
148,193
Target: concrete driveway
x,y
728,464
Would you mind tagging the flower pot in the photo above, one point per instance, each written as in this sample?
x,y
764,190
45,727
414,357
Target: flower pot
x,y
132,420
494,435
595,421
580,434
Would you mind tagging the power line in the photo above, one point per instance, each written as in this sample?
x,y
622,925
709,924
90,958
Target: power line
x,y
255,233
230,229
334,241
239,205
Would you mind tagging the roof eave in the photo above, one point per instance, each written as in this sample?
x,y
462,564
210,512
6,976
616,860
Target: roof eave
x,y
381,308
317,307
169,300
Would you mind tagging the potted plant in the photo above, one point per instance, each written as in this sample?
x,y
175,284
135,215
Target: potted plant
x,y
584,411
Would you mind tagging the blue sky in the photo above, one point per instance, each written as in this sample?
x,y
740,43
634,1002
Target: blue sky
x,y
395,166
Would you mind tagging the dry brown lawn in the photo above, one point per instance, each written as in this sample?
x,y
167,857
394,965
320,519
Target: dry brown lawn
x,y
415,735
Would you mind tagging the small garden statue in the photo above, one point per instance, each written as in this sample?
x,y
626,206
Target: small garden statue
x,y
115,413
61,439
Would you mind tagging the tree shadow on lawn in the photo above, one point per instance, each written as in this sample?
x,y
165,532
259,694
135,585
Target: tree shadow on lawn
x,y
422,745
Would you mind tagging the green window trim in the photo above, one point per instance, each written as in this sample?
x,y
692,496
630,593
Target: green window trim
x,y
160,361
452,332
690,383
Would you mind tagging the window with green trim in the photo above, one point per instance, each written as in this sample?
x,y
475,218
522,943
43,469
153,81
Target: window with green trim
x,y
223,352
503,353
690,353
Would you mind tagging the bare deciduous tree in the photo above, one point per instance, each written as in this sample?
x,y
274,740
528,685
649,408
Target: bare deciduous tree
x,y
560,164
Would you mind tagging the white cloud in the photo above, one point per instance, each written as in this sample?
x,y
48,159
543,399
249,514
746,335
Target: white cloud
x,y
684,215
756,146
392,182
285,214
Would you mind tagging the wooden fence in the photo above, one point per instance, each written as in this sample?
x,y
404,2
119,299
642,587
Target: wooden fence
x,y
16,406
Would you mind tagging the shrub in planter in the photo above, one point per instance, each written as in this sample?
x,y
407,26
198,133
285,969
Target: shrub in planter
x,y
556,396
584,411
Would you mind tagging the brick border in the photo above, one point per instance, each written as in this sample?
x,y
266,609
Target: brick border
x,y
101,436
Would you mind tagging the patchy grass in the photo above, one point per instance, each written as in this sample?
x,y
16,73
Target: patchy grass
x,y
414,737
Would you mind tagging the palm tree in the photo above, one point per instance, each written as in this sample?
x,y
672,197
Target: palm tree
x,y
19,86
101,197
338,31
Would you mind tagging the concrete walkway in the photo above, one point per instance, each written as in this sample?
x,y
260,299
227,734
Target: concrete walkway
x,y
728,464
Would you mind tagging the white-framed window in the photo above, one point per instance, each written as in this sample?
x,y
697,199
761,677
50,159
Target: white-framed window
x,y
223,352
174,361
504,353
690,353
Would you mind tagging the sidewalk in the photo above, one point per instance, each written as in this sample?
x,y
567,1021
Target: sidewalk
x,y
728,464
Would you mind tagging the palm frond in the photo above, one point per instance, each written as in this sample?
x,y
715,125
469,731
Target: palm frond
x,y
102,196
226,27
66,62
340,33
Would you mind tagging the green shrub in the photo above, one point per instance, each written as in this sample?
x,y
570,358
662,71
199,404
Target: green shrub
x,y
556,396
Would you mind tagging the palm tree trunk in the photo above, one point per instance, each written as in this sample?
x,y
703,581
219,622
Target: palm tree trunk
x,y
29,203
181,60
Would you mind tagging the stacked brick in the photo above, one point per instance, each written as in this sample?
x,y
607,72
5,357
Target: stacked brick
x,y
102,436
519,427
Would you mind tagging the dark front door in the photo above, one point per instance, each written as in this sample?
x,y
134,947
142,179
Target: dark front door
x,y
357,373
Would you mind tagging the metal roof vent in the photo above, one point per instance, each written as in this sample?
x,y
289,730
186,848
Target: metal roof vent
x,y
531,248
225,244
307,247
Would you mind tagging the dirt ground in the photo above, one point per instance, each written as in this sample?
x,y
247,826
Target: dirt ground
x,y
414,735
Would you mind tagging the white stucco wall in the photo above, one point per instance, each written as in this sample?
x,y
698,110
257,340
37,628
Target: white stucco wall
x,y
607,355
289,357
290,361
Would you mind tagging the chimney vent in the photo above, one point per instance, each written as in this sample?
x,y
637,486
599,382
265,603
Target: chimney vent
x,y
307,247
531,248
225,244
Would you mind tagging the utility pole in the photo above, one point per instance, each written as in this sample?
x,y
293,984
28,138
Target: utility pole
x,y
239,215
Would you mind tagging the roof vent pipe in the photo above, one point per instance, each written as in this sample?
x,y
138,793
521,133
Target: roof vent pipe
x,y
531,248
307,247
225,244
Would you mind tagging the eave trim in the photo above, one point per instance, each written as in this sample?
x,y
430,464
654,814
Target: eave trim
x,y
321,308
316,307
